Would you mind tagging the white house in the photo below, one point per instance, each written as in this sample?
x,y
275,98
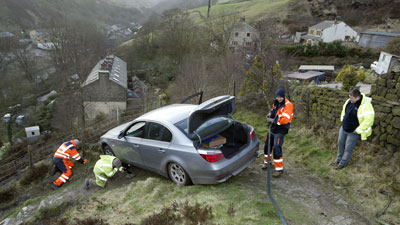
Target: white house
x,y
329,31
385,63
32,133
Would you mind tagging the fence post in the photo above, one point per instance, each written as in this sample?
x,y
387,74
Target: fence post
x,y
30,156
234,88
15,165
118,116
308,105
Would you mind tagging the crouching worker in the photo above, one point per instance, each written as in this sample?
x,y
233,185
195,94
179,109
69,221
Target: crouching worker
x,y
62,162
106,167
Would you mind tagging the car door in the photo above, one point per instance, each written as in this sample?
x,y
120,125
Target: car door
x,y
133,137
154,145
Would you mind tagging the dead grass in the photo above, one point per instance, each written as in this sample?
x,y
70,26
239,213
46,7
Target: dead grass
x,y
182,213
37,172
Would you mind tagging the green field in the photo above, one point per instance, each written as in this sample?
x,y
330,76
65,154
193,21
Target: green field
x,y
252,10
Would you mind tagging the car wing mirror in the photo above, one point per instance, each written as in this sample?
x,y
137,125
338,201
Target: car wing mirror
x,y
121,134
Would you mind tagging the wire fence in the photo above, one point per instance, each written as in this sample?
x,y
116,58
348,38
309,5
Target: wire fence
x,y
90,134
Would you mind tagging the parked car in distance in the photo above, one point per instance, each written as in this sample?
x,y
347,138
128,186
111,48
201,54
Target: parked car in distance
x,y
199,144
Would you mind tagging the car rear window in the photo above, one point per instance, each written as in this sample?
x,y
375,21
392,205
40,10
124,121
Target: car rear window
x,y
183,126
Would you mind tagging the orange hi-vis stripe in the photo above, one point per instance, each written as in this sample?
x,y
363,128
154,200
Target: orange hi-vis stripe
x,y
266,158
278,163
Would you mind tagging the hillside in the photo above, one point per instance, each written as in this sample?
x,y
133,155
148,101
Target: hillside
x,y
28,14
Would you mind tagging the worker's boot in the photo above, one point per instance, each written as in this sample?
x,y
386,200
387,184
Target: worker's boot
x,y
90,183
277,173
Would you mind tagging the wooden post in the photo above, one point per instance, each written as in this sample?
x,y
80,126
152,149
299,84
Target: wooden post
x,y
15,165
308,105
30,156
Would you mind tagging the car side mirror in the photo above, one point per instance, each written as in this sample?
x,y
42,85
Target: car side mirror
x,y
121,134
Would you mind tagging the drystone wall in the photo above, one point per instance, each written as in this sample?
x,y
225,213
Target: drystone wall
x,y
386,102
324,105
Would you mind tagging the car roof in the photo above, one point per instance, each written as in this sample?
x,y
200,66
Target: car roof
x,y
171,113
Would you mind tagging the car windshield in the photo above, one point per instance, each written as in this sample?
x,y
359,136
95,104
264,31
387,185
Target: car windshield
x,y
183,126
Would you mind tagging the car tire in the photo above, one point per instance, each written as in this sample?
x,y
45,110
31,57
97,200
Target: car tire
x,y
178,175
107,150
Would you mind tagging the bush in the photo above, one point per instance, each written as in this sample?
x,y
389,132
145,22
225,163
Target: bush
x,y
180,213
7,194
349,77
35,173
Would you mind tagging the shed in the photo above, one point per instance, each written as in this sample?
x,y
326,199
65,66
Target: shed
x,y
310,75
376,39
32,132
321,68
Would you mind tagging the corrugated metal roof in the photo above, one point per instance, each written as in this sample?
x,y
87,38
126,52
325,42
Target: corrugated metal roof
x,y
380,33
317,67
304,76
117,74
324,24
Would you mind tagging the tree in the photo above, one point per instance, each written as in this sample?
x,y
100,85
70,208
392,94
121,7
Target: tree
x,y
227,69
265,73
26,62
179,35
393,46
350,76
192,76
78,45
220,31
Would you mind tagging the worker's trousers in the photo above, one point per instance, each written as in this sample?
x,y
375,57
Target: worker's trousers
x,y
65,166
276,153
346,143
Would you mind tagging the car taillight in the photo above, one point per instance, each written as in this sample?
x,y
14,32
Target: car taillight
x,y
252,134
211,156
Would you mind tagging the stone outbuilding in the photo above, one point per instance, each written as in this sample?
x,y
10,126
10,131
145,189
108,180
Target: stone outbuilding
x,y
244,37
105,90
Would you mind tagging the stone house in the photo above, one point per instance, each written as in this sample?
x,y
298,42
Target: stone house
x,y
105,90
375,39
244,37
328,31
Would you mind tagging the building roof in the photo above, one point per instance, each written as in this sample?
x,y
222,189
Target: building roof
x,y
325,24
6,34
117,71
380,33
304,76
317,67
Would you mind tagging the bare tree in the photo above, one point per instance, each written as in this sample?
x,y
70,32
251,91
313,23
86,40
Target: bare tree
x,y
193,76
228,68
219,32
26,62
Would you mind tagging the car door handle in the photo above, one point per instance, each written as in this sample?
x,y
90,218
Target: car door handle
x,y
161,150
136,145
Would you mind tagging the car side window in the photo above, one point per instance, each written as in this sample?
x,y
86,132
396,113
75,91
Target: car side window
x,y
158,132
167,136
136,130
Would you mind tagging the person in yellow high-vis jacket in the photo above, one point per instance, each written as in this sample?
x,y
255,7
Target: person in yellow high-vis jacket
x,y
106,167
357,119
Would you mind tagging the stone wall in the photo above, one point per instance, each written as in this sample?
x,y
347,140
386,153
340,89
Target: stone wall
x,y
325,105
385,99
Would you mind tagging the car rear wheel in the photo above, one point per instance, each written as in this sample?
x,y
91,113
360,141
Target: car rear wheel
x,y
178,175
108,151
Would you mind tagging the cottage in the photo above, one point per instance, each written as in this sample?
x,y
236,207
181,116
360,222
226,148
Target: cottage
x,y
243,36
327,31
105,90
375,39
386,62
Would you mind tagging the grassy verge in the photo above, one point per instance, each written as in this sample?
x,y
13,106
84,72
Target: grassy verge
x,y
369,172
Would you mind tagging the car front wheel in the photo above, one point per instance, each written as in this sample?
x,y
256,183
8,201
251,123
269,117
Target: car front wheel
x,y
178,175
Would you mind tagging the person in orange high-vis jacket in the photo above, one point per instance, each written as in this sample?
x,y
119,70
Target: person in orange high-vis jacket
x,y
280,117
61,159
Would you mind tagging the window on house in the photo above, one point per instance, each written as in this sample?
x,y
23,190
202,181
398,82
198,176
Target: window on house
x,y
248,43
248,34
347,38
319,33
383,58
236,34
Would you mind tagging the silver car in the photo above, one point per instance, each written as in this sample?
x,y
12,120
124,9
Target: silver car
x,y
179,142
